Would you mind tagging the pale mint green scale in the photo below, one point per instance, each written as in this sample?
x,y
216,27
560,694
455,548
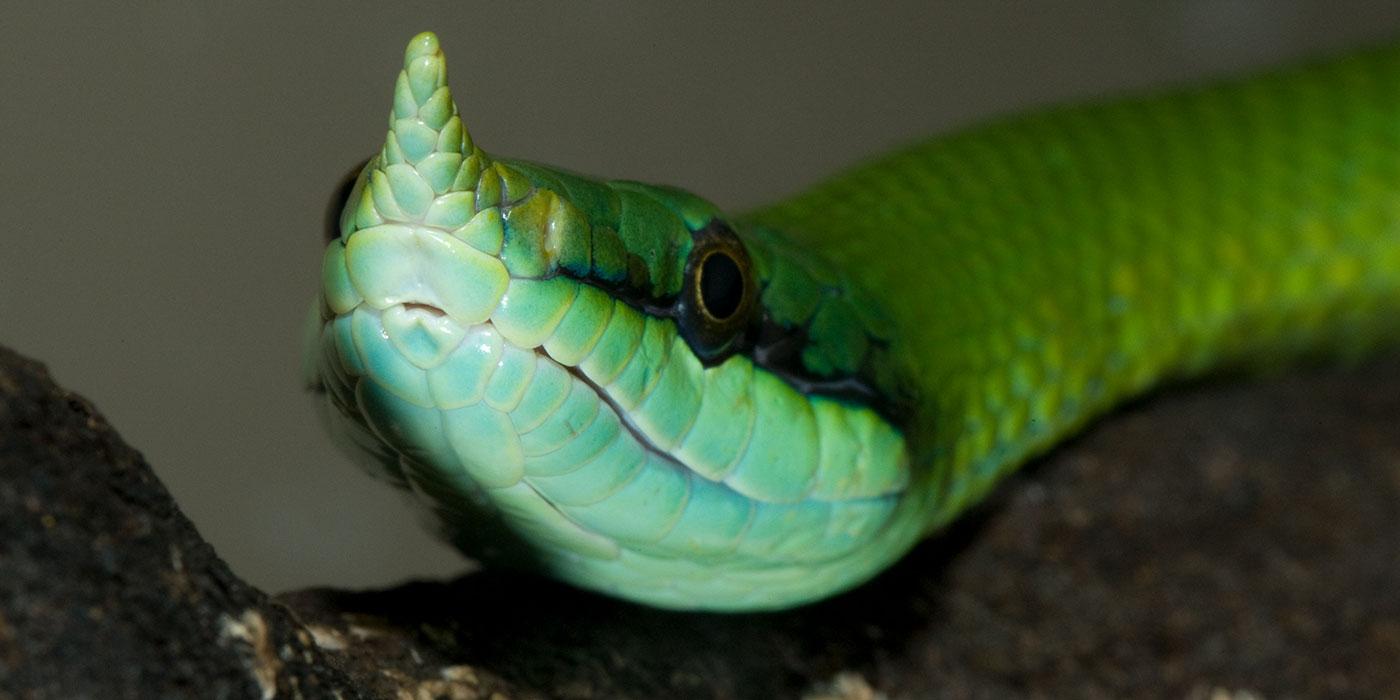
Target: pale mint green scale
x,y
468,411
532,410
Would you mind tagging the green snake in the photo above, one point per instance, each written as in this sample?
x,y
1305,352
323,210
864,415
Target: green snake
x,y
624,387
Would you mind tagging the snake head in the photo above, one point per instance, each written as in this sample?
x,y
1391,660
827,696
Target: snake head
x,y
607,380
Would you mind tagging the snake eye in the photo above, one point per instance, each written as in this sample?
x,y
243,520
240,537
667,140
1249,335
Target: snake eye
x,y
338,200
718,302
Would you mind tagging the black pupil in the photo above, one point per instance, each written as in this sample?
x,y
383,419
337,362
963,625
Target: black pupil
x,y
721,285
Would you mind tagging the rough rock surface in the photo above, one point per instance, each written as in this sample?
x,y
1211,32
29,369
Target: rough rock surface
x,y
1232,538
106,590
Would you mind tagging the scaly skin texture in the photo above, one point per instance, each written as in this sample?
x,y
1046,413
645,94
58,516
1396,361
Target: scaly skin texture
x,y
1057,263
532,352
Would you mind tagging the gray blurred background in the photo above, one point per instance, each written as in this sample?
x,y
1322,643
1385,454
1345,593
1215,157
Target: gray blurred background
x,y
164,168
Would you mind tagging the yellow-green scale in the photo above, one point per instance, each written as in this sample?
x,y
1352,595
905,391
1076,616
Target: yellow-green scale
x,y
1040,269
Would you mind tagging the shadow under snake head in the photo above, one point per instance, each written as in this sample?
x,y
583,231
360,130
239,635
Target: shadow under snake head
x,y
606,380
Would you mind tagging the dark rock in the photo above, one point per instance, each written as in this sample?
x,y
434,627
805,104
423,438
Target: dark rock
x,y
106,590
1230,538
1227,539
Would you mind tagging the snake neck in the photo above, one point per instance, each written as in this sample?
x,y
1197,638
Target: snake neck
x,y
1042,268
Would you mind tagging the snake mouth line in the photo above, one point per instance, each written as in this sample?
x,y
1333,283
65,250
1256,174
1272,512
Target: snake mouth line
x,y
622,416
425,308
439,319
577,374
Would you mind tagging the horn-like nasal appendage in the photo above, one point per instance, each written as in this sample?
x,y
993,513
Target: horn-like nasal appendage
x,y
425,126
428,170
423,226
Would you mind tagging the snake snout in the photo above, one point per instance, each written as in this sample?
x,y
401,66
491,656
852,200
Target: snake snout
x,y
405,264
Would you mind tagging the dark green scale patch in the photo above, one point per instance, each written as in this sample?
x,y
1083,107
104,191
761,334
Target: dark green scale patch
x,y
570,234
609,256
522,251
799,290
655,235
819,330
806,322
637,246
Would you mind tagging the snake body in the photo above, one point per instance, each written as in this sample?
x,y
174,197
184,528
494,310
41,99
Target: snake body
x,y
627,388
